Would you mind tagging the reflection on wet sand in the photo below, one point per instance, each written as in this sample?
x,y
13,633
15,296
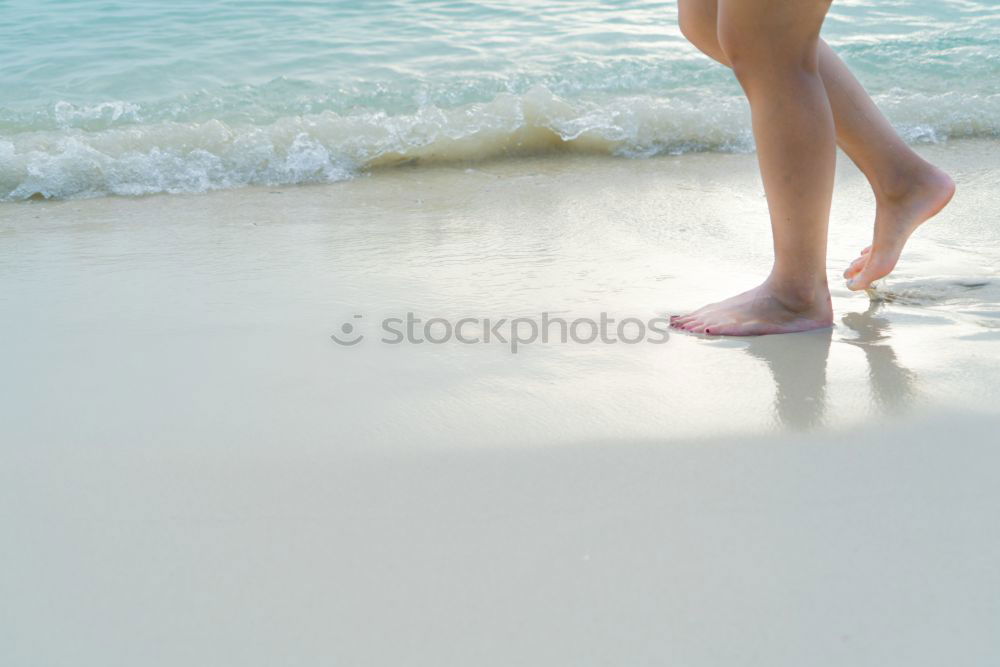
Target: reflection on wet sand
x,y
799,372
893,386
799,369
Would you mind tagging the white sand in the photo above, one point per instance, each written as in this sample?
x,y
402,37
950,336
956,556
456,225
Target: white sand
x,y
195,474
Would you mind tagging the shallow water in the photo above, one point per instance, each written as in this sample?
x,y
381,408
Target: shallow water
x,y
143,97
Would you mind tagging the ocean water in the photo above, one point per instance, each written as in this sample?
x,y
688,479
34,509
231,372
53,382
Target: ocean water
x,y
100,97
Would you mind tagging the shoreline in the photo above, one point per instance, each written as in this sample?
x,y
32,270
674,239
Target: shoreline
x,y
554,152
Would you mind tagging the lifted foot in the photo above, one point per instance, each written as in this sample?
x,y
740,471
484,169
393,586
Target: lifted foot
x,y
896,219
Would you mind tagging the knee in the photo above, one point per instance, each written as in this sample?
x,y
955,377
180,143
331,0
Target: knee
x,y
698,25
743,49
752,55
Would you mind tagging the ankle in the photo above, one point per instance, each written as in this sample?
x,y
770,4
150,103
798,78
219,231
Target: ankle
x,y
797,293
899,183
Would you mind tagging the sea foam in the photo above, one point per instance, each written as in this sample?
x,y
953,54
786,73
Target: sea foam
x,y
126,156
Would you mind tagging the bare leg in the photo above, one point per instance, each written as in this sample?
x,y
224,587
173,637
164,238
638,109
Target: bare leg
x,y
908,190
772,47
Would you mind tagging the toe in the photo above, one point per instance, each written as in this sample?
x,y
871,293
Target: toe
x,y
680,320
876,267
730,329
707,327
859,283
855,267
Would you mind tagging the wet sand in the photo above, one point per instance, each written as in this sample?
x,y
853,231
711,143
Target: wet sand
x,y
195,473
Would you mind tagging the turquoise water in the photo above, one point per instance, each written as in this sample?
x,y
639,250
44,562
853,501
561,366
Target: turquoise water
x,y
137,97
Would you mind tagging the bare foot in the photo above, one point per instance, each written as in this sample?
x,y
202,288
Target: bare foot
x,y
895,220
762,310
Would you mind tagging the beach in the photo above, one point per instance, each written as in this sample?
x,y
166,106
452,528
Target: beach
x,y
337,334
195,472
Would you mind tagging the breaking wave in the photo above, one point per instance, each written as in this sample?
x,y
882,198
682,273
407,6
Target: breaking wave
x,y
123,148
